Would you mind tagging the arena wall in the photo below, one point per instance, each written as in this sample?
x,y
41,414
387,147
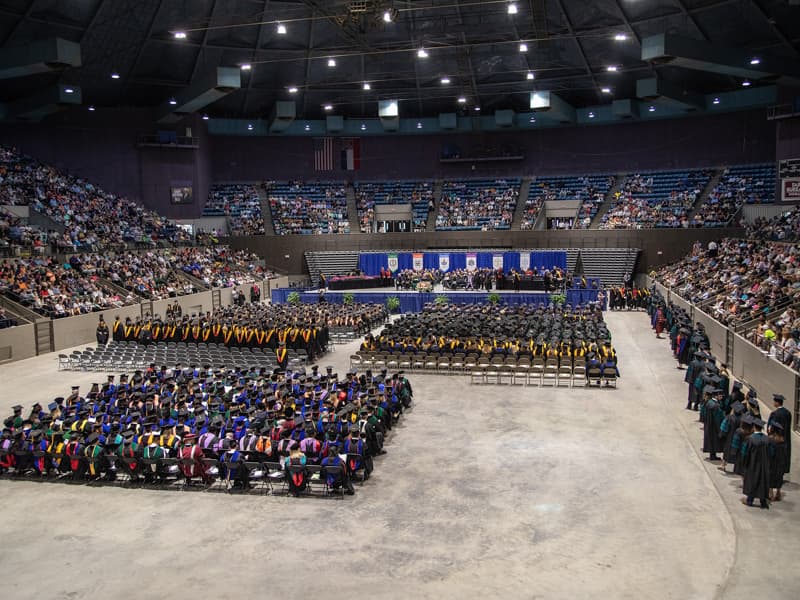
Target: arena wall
x,y
659,246
17,342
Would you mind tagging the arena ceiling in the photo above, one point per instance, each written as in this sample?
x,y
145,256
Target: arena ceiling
x,y
475,45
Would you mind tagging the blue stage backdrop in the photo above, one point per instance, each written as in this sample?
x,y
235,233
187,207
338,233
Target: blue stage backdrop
x,y
414,301
371,263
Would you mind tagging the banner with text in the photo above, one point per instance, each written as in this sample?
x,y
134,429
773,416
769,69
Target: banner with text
x,y
417,262
790,190
394,264
444,262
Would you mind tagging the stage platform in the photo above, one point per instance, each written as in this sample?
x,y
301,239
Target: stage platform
x,y
411,301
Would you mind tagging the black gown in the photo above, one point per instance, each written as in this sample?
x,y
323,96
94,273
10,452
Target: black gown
x,y
756,473
711,435
784,417
778,464
728,453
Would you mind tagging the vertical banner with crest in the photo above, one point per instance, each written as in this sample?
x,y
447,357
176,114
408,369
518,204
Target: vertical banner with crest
x,y
524,261
472,262
417,261
497,262
393,263
444,262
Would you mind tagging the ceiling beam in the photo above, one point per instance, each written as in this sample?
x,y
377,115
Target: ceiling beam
x,y
582,53
251,76
468,54
140,50
202,48
22,18
310,48
685,12
774,26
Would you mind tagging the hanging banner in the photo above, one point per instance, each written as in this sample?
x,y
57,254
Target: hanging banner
x,y
444,262
497,262
472,262
524,261
393,263
417,261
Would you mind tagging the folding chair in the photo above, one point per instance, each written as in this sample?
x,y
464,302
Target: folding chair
x,y
610,376
550,375
275,475
256,475
579,375
594,375
564,376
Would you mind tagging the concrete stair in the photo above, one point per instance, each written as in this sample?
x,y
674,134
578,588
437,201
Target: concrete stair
x,y
522,201
352,209
609,201
438,185
266,212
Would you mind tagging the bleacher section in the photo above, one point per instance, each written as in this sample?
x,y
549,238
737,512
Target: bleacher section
x,y
656,199
417,193
477,204
742,184
591,190
308,207
240,204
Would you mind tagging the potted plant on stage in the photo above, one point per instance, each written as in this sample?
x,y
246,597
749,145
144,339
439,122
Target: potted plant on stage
x,y
348,298
393,304
293,298
441,300
493,298
558,299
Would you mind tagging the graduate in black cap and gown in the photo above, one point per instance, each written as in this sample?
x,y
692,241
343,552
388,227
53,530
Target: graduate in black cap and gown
x,y
783,417
712,442
757,463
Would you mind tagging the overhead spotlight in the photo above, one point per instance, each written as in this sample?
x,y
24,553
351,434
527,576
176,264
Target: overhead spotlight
x,y
331,62
68,90
389,15
114,75
462,100
281,29
755,61
307,127
606,90
172,101
532,120
205,117
529,76
363,127
523,47
419,125
445,80
611,68
328,107
292,90
180,35
245,67
91,108
477,109
422,53
716,101
591,115
620,37
249,127
746,83
652,108
512,8
366,87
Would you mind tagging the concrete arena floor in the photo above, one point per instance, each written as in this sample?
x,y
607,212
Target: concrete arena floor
x,y
485,491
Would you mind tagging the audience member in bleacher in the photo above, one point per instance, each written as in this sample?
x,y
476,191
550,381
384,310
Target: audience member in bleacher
x,y
784,227
417,193
308,208
240,203
747,184
482,205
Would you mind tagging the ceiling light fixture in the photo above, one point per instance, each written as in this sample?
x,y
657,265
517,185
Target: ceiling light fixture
x,y
91,108
68,90
529,76
445,80
652,108
292,90
462,100
478,109
172,101
307,127
523,47
591,115
180,35
611,68
281,29
419,125
245,67
716,101
331,62
327,107
620,37
746,83
422,53
114,75
249,127
755,61
366,87
205,117
387,16
532,120
606,90
363,127
512,8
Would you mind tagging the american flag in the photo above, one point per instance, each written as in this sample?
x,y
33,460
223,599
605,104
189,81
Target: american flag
x,y
324,154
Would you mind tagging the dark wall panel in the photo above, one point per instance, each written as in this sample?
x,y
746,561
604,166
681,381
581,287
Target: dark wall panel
x,y
708,141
